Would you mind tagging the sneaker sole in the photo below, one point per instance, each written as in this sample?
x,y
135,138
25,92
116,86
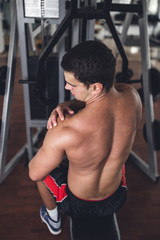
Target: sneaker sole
x,y
50,229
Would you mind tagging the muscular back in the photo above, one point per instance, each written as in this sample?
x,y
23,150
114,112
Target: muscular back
x,y
99,140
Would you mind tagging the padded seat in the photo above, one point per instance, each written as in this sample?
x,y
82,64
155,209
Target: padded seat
x,y
100,228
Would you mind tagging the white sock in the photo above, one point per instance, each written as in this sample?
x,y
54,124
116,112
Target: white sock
x,y
53,213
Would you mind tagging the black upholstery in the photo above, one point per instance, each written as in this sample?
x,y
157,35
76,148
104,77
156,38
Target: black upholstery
x,y
100,228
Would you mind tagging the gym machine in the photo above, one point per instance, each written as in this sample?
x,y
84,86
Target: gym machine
x,y
27,16
150,168
67,12
7,85
103,12
1,29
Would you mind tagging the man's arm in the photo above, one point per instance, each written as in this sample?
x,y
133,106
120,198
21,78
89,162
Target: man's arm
x,y
70,107
49,156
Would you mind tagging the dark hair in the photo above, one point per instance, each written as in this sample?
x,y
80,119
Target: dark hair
x,y
91,62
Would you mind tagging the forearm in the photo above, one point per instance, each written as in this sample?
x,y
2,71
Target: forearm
x,y
41,165
35,171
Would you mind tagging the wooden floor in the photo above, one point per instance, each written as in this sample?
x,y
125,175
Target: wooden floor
x,y
139,219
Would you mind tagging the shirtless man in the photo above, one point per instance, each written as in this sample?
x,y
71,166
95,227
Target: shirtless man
x,y
97,140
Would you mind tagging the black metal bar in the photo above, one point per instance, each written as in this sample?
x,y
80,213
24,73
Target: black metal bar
x,y
59,32
89,13
132,8
45,53
53,41
107,6
84,29
26,82
92,13
118,7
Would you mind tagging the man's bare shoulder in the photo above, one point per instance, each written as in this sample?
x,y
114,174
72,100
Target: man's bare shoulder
x,y
123,87
65,131
128,91
130,100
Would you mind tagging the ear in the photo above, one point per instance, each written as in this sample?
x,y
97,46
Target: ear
x,y
97,87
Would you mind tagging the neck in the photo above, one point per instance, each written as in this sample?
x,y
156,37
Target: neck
x,y
100,96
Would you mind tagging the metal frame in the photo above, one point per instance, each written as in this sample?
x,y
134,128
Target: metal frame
x,y
150,168
22,22
63,21
2,47
81,13
5,169
8,96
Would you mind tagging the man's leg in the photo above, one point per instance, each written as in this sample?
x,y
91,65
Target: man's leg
x,y
49,212
46,196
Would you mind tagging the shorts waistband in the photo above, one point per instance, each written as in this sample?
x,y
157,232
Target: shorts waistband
x,y
75,198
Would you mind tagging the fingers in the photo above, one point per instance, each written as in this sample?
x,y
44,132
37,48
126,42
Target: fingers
x,y
69,110
59,111
52,121
49,123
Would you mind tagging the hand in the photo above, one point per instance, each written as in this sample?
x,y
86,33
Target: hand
x,y
58,112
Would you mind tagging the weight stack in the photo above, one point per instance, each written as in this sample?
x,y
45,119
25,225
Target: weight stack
x,y
38,109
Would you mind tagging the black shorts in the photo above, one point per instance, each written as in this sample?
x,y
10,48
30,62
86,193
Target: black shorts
x,y
73,206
